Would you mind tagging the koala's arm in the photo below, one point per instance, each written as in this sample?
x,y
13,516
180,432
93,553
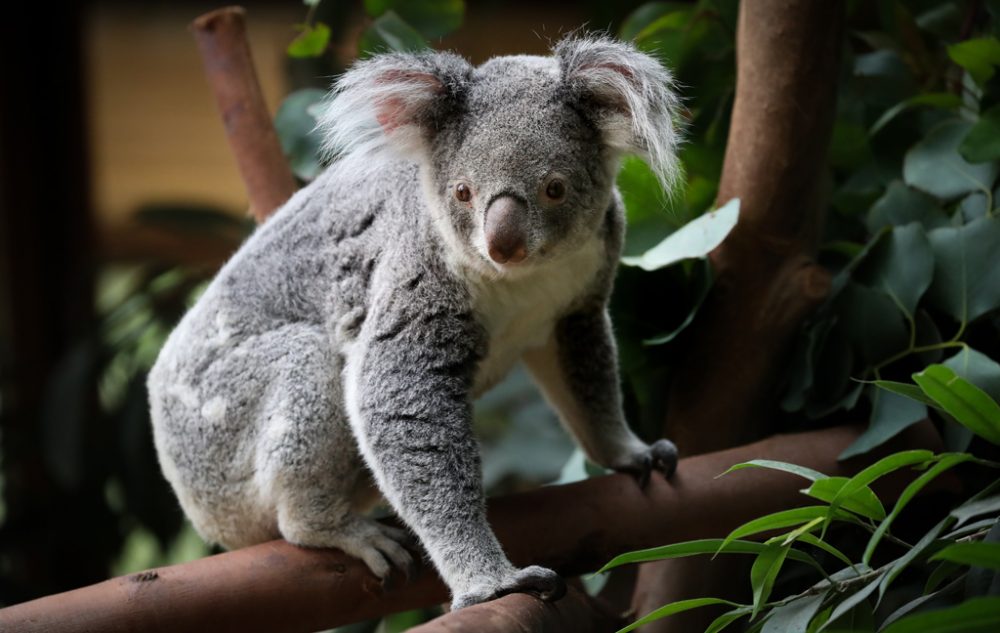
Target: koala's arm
x,y
408,386
577,369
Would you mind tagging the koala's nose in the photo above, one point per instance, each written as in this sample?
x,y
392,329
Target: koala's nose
x,y
504,229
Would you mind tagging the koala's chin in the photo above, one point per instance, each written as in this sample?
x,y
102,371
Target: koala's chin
x,y
469,222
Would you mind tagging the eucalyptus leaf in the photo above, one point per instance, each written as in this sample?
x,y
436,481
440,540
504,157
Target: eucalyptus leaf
x,y
977,368
727,618
976,508
973,553
794,616
801,471
982,142
968,404
389,32
311,41
676,607
979,56
943,100
881,468
775,521
693,548
945,462
935,165
295,123
902,266
695,239
644,15
853,600
919,549
900,205
891,414
967,269
764,572
979,615
431,18
861,501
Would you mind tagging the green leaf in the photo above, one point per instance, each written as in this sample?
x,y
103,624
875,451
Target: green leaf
x,y
891,414
389,32
693,548
968,404
311,41
431,18
815,541
763,573
977,368
794,616
800,531
861,501
882,467
972,553
908,390
775,521
902,266
646,14
695,239
727,618
946,461
982,143
801,471
676,607
926,541
854,600
975,508
295,123
900,205
934,164
912,605
873,321
979,56
979,615
942,100
967,269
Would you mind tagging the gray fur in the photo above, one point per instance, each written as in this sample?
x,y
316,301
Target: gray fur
x,y
351,332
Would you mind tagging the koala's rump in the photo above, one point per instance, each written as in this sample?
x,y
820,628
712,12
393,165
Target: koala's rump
x,y
238,418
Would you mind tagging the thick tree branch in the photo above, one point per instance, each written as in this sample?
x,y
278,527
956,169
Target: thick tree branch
x,y
221,37
573,528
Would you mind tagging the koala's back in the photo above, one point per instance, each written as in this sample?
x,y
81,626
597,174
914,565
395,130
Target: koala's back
x,y
253,370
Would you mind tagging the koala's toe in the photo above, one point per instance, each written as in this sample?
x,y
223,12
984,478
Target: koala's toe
x,y
538,581
664,454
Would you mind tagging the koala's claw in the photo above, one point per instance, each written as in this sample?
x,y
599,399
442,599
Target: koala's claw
x,y
540,582
661,455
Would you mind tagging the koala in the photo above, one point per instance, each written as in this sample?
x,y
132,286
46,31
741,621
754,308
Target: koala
x,y
469,220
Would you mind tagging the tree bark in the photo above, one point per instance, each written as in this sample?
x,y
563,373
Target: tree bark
x,y
574,529
767,282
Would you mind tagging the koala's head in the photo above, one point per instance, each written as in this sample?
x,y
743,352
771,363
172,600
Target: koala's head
x,y
519,155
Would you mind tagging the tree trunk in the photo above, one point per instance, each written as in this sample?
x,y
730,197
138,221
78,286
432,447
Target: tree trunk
x,y
788,54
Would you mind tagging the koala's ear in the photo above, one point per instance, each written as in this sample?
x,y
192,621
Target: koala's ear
x,y
392,101
629,94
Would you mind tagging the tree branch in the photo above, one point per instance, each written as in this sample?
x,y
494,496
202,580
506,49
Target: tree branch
x,y
221,37
573,528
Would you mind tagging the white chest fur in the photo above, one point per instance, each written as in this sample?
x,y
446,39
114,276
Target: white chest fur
x,y
519,313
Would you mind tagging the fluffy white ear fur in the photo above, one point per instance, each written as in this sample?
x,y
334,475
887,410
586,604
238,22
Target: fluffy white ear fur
x,y
387,102
635,95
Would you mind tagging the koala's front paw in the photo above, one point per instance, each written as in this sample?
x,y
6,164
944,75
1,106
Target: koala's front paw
x,y
538,581
661,455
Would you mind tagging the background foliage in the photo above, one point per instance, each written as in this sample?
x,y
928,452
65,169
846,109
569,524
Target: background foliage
x,y
911,236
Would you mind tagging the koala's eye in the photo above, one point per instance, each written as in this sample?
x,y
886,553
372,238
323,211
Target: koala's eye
x,y
463,192
555,189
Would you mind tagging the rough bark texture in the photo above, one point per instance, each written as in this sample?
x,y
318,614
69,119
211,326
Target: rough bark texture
x,y
767,280
221,37
574,528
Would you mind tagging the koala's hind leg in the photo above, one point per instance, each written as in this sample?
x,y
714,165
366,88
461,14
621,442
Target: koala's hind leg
x,y
307,463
